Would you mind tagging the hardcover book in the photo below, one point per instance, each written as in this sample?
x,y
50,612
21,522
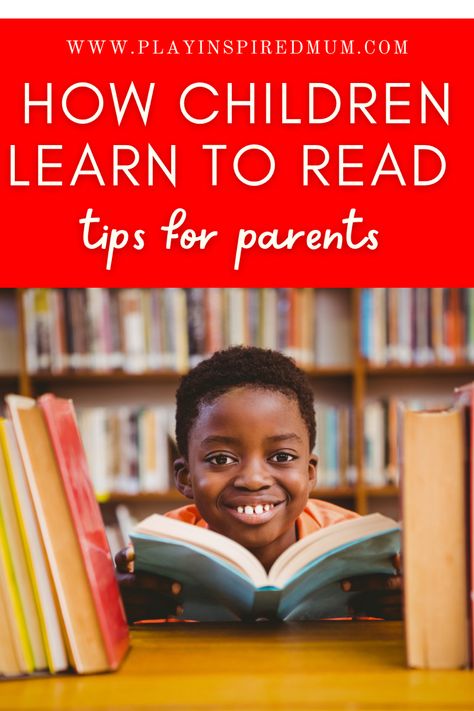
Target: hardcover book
x,y
434,539
66,440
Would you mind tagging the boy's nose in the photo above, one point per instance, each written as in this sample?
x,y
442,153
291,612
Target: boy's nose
x,y
253,476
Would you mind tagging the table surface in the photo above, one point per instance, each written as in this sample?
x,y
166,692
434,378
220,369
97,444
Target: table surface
x,y
288,666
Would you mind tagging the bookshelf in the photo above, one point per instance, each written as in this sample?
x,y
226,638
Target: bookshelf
x,y
353,380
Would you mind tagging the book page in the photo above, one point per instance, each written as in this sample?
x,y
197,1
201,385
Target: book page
x,y
326,539
219,546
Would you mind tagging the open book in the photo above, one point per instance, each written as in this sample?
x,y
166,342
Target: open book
x,y
222,580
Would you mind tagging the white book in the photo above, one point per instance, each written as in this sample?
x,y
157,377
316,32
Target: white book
x,y
405,326
93,426
269,318
334,336
133,330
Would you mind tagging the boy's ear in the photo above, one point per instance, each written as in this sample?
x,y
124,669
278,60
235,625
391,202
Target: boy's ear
x,y
312,471
182,477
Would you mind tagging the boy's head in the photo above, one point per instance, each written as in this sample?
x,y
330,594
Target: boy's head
x,y
237,367
245,428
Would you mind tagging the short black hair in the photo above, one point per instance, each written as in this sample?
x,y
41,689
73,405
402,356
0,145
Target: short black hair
x,y
236,367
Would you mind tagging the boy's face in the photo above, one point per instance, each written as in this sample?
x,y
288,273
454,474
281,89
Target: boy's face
x,y
249,468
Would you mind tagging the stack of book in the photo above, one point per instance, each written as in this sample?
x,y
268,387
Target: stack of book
x,y
438,534
417,326
60,605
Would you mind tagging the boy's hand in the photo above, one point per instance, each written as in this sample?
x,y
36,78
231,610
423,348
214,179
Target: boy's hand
x,y
145,596
378,595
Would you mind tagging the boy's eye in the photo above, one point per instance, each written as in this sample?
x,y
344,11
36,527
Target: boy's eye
x,y
282,457
220,459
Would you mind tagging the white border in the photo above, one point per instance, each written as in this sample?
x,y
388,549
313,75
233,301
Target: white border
x,y
238,8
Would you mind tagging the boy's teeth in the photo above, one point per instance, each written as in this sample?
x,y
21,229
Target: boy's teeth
x,y
258,509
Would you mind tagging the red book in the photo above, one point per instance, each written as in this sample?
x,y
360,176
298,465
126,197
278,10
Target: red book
x,y
69,451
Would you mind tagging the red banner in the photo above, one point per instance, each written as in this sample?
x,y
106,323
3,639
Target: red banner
x,y
236,152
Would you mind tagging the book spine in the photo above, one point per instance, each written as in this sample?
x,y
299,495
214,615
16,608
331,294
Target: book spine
x,y
470,325
379,326
365,325
181,363
406,316
196,325
269,319
214,320
30,331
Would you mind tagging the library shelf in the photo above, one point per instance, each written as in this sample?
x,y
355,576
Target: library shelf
x,y
144,497
164,376
104,376
336,492
420,370
389,491
9,379
340,492
330,372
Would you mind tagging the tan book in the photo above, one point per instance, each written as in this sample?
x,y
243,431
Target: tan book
x,y
434,539
59,536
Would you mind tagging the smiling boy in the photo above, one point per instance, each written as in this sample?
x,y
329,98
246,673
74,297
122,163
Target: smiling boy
x,y
245,429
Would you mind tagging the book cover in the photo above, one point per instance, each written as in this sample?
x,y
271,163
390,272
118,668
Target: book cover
x,y
434,524
69,451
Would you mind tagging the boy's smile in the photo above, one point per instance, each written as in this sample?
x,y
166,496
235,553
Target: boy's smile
x,y
249,468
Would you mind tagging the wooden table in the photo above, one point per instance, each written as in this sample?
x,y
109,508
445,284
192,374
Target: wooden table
x,y
320,665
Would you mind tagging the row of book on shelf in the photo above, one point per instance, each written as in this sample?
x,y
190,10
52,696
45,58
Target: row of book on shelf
x,y
130,449
417,326
140,330
60,607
